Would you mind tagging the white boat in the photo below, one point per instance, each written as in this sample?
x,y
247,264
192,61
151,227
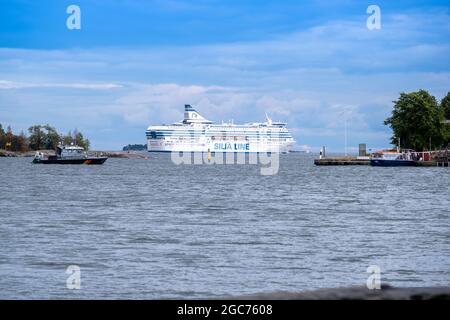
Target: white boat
x,y
197,134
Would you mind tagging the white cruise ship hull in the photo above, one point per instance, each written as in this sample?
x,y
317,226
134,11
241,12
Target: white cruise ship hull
x,y
209,146
196,134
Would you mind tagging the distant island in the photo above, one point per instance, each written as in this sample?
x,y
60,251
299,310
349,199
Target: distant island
x,y
135,147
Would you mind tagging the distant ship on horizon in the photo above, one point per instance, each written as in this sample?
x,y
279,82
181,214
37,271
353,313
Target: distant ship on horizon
x,y
197,134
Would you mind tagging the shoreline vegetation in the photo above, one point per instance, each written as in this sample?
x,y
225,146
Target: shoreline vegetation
x,y
45,139
109,154
40,137
135,147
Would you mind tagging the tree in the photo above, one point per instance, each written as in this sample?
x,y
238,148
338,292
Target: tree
x,y
43,137
76,138
80,140
445,105
8,138
12,142
135,147
417,120
18,142
22,142
68,139
52,137
37,137
2,137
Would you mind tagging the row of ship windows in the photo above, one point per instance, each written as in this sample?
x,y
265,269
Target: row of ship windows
x,y
195,143
157,136
222,139
217,132
264,129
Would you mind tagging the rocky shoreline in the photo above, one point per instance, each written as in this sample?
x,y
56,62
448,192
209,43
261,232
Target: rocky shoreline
x,y
353,293
121,154
109,154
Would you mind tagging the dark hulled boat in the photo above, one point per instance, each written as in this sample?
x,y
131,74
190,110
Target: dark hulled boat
x,y
392,159
68,155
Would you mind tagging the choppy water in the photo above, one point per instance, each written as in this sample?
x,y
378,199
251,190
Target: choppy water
x,y
150,229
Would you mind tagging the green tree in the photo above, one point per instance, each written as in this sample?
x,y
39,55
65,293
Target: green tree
x,y
8,138
68,139
52,137
445,105
76,138
37,137
22,142
18,142
80,140
12,142
2,137
417,120
43,137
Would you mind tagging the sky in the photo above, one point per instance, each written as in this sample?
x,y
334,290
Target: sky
x,y
135,63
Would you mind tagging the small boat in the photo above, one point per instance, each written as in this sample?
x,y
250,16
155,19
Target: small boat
x,y
68,155
392,159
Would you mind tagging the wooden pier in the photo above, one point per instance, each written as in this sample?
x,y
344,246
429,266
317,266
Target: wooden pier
x,y
432,163
439,158
425,159
442,158
341,161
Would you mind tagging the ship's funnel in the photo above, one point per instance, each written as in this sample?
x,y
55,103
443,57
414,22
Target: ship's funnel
x,y
192,116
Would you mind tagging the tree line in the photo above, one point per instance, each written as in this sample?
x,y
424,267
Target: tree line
x,y
420,122
40,137
135,147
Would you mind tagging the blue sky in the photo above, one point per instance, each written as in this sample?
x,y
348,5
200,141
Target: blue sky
x,y
135,63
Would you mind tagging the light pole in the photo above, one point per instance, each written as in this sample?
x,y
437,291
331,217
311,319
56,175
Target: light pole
x,y
345,112
346,119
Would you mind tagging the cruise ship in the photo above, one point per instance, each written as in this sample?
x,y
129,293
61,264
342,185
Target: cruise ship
x,y
197,134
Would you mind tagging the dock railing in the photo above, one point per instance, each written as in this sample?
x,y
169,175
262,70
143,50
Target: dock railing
x,y
441,157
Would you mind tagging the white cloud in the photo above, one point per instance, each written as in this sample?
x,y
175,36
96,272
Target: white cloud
x,y
5,84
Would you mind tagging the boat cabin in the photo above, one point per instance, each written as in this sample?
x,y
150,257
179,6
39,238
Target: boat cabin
x,y
390,155
70,151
